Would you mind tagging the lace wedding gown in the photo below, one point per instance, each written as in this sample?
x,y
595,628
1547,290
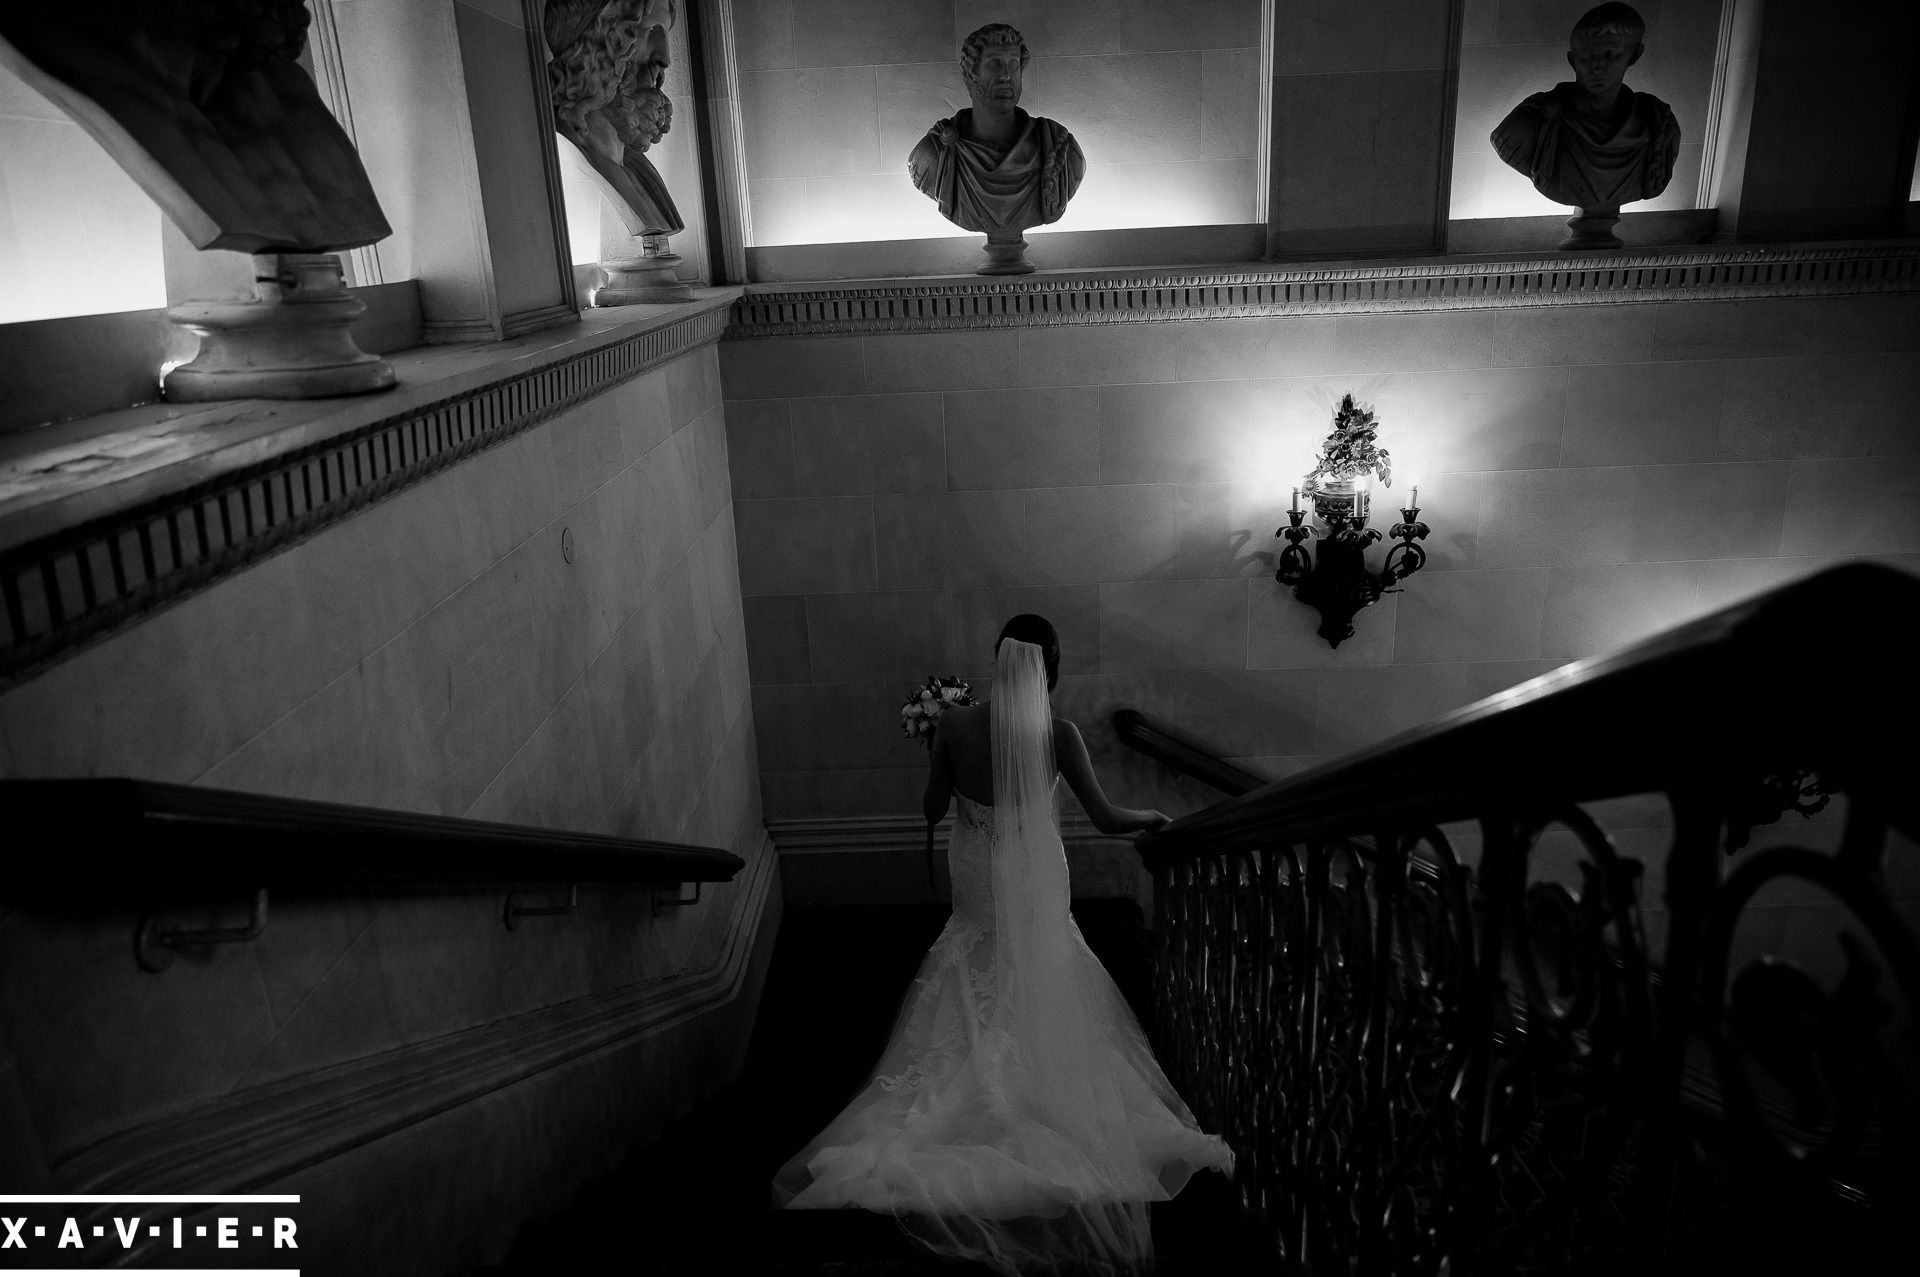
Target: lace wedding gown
x,y
1017,1116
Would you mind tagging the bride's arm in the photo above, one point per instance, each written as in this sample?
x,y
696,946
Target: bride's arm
x,y
1070,752
939,793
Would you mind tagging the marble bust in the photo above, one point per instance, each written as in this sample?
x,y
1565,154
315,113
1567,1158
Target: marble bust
x,y
1592,142
609,61
204,103
992,167
205,106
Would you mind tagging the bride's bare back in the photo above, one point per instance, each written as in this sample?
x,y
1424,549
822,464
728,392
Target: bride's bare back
x,y
962,761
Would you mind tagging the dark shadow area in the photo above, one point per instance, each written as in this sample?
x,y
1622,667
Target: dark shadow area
x,y
696,1201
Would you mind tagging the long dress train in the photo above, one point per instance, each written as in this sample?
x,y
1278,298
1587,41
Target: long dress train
x,y
1017,1116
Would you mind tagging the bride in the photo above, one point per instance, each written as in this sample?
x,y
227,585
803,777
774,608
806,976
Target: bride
x,y
1017,1117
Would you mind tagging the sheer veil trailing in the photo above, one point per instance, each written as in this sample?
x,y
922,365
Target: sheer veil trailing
x,y
1028,1126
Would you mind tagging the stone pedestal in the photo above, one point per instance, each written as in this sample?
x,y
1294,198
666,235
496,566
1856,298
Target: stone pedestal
x,y
290,342
648,279
1592,228
1006,253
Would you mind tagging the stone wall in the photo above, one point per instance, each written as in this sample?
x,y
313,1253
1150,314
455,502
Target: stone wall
x,y
1593,474
547,633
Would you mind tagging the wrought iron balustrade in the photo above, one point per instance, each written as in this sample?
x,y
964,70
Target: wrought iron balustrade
x,y
1430,1061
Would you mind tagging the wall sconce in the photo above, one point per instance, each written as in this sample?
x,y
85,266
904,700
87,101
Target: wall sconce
x,y
1336,581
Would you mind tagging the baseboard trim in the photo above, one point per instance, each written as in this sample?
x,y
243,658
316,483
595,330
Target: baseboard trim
x,y
872,860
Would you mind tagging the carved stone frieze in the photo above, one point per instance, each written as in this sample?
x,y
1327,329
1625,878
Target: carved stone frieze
x,y
939,305
79,581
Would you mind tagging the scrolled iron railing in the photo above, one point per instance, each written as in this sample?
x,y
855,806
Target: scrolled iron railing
x,y
1430,1061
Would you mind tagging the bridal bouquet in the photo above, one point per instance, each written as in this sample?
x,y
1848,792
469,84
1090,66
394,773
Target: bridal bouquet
x,y
924,706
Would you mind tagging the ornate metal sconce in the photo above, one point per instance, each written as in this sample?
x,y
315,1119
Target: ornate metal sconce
x,y
1337,582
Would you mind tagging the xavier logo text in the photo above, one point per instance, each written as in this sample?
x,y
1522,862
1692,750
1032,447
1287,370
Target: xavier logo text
x,y
112,1228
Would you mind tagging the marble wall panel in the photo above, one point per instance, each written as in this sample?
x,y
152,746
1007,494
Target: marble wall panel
x,y
1642,414
806,546
949,539
809,122
1356,153
1471,616
1828,405
1397,35
1592,475
1112,533
1021,438
436,653
854,445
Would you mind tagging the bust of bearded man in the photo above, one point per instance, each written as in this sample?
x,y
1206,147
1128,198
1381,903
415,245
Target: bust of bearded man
x,y
1591,141
993,167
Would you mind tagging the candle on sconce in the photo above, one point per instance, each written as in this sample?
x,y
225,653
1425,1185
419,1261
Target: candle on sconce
x,y
1296,501
1414,500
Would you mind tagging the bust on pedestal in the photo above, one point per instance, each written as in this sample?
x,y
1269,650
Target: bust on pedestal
x,y
610,59
993,167
1591,141
207,108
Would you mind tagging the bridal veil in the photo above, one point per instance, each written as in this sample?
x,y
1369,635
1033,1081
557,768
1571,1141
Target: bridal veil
x,y
1029,1126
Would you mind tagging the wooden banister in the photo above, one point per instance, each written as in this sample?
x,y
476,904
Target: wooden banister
x,y
112,835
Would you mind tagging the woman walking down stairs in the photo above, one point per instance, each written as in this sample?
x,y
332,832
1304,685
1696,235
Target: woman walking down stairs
x,y
696,1201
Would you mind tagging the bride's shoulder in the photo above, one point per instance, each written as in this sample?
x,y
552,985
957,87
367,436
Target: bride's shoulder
x,y
963,716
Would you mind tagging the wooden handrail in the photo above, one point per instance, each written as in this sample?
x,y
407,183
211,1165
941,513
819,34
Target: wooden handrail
x,y
1175,749
108,835
1706,702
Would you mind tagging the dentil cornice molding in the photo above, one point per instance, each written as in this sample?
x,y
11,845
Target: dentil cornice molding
x,y
970,301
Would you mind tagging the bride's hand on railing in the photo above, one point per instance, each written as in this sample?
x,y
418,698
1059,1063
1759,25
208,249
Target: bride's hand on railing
x,y
1150,819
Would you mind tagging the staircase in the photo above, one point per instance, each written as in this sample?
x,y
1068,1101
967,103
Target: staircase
x,y
695,1202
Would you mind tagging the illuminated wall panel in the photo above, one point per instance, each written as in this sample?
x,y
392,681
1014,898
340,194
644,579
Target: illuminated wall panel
x,y
1164,101
1511,48
77,236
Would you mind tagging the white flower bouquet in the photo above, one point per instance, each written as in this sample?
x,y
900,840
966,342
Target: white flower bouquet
x,y
921,712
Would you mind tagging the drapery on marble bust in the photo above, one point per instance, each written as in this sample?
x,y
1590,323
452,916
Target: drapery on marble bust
x,y
992,167
610,58
1592,142
205,105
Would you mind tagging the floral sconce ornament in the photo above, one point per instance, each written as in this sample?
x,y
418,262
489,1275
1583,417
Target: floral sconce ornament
x,y
1337,581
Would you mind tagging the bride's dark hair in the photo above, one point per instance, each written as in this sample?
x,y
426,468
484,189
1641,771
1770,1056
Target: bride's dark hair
x,y
1037,630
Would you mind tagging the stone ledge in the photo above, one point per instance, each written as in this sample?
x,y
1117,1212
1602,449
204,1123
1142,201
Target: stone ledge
x,y
1085,297
104,520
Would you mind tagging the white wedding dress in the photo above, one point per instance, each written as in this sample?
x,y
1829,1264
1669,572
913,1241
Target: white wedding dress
x,y
1017,1116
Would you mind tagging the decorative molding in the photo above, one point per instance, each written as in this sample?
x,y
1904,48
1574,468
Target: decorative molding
x,y
532,16
251,1139
517,323
70,588
889,860
961,303
453,332
842,834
